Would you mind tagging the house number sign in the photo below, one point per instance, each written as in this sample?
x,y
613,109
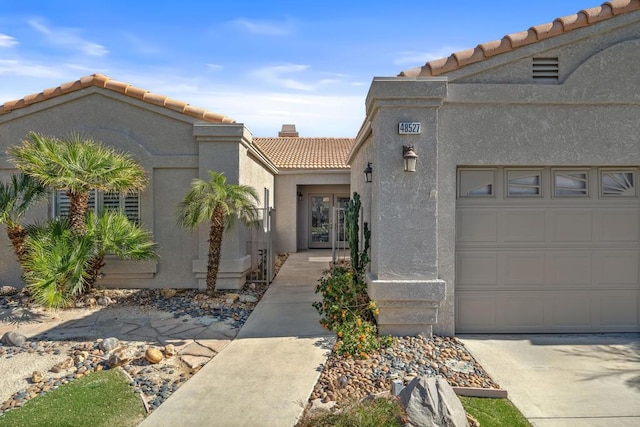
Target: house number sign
x,y
409,128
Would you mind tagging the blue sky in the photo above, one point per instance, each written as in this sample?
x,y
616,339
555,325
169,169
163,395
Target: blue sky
x,y
263,63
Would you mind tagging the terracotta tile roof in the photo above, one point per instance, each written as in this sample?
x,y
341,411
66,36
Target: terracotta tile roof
x,y
102,81
306,153
534,34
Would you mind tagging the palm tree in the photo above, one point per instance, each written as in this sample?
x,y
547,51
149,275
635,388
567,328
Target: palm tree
x,y
16,196
77,165
220,204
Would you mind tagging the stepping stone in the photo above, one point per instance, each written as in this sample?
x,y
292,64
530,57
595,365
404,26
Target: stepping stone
x,y
195,349
215,345
194,361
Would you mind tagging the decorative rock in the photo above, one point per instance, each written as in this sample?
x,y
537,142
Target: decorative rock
x,y
248,298
153,355
430,401
103,301
169,350
36,377
109,344
231,298
120,356
90,302
62,366
168,293
13,339
7,291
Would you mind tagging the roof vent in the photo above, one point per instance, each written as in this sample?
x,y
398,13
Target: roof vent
x,y
288,131
546,68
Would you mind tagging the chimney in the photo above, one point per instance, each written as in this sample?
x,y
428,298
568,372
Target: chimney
x,y
288,131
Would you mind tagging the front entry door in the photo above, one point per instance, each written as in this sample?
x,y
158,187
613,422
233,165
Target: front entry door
x,y
320,226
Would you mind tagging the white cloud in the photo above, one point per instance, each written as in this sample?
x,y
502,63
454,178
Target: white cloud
x,y
69,38
214,67
28,69
141,45
277,75
417,59
265,28
7,41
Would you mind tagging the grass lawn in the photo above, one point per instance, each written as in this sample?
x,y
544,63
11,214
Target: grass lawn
x,y
494,412
385,412
102,398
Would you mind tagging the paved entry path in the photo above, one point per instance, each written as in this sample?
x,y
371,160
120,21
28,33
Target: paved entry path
x,y
265,376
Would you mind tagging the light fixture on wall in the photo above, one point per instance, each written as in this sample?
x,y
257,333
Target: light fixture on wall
x,y
299,196
367,172
410,158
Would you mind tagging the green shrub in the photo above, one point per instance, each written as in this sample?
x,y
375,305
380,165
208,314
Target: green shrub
x,y
346,308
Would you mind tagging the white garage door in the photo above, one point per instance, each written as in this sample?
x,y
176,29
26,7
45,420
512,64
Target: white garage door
x,y
546,249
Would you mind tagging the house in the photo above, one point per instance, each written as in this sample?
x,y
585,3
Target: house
x,y
503,194
522,214
175,143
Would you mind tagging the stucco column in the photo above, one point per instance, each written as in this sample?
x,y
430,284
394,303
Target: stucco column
x,y
404,276
219,148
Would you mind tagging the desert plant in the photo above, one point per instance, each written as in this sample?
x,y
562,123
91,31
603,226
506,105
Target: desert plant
x,y
61,264
346,307
77,165
16,197
220,204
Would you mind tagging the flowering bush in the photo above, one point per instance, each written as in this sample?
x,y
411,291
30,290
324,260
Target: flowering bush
x,y
346,308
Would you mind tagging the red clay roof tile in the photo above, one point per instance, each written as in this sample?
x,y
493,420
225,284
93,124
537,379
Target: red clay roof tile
x,y
513,41
102,81
306,153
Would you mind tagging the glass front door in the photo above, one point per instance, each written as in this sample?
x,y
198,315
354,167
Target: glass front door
x,y
321,217
320,227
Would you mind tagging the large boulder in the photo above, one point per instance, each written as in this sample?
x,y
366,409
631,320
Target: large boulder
x,y
430,401
13,339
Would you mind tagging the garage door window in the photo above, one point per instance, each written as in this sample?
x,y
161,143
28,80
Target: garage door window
x,y
571,183
476,183
524,183
617,184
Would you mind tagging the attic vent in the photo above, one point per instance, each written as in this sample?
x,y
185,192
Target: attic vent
x,y
546,68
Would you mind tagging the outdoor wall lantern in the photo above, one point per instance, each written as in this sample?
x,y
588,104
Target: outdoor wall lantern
x,y
410,158
367,172
299,196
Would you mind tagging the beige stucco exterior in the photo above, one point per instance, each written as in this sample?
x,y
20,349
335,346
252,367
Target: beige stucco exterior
x,y
173,148
489,113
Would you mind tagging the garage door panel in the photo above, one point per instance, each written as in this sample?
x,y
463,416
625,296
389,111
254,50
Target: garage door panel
x,y
477,268
523,226
619,268
617,225
570,309
523,268
549,260
619,309
569,269
476,312
574,225
477,226
523,311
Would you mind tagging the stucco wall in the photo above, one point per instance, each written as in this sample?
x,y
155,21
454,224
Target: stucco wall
x,y
290,211
173,152
588,117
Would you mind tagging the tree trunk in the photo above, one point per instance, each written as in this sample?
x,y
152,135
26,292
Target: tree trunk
x,y
93,270
17,236
216,232
78,206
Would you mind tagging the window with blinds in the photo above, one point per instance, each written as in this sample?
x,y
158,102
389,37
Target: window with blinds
x,y
127,203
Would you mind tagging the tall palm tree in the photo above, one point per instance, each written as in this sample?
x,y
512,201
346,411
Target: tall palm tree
x,y
220,204
77,165
16,196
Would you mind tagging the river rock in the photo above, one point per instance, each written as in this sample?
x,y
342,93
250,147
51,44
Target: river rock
x,y
13,339
168,293
430,401
109,344
248,298
121,356
68,363
169,350
153,355
103,301
36,377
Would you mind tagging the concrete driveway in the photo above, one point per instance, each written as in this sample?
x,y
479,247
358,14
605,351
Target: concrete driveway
x,y
566,380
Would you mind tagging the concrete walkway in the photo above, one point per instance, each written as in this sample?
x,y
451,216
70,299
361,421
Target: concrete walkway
x,y
566,380
266,375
